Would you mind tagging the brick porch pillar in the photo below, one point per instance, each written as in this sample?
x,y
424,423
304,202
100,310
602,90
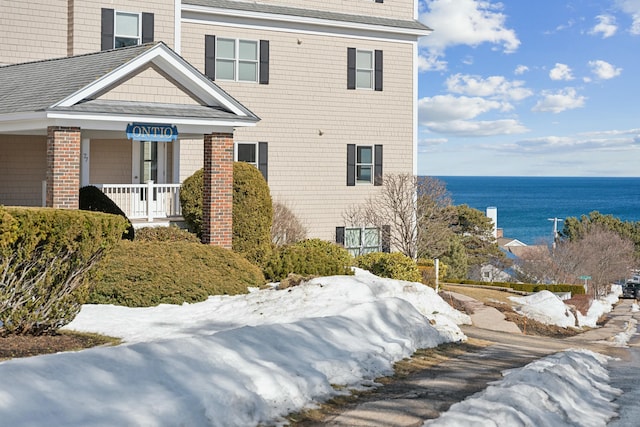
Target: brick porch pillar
x,y
63,167
218,190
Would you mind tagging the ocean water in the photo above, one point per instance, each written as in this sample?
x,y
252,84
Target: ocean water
x,y
525,205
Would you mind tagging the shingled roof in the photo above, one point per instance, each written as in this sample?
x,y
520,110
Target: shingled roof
x,y
42,86
313,14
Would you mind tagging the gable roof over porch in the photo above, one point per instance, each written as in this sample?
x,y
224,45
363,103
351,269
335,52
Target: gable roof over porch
x,y
69,92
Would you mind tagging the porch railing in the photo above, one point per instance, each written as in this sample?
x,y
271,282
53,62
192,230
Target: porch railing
x,y
145,201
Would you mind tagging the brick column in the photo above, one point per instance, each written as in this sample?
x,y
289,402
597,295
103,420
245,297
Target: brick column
x,y
63,167
218,190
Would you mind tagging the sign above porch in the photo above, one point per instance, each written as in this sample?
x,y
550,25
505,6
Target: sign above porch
x,y
152,132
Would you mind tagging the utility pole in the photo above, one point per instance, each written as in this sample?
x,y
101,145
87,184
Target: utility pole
x,y
555,227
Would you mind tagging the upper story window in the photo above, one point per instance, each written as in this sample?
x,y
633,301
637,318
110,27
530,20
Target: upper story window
x,y
236,59
364,164
364,69
120,29
127,29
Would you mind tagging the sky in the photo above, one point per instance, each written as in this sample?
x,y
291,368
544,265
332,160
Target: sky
x,y
249,360
529,88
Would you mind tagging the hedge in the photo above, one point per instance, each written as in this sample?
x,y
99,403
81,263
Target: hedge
x,y
392,265
45,257
530,287
148,273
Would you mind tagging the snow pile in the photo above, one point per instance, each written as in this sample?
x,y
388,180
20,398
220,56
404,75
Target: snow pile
x,y
564,389
634,307
229,361
621,339
596,310
545,307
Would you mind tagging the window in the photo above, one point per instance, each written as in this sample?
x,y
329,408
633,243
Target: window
x,y
364,69
121,29
255,153
364,240
236,60
364,164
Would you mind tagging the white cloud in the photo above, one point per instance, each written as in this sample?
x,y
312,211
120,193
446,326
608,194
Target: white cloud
x,y
556,102
443,108
521,69
478,128
606,26
431,62
631,8
603,70
561,72
466,22
493,87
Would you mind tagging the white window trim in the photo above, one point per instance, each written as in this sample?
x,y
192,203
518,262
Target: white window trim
x,y
371,165
370,70
361,248
237,61
115,26
257,148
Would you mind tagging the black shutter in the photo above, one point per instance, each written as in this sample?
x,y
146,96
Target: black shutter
x,y
351,164
379,1
264,62
147,27
351,68
340,235
106,30
378,70
385,245
263,159
377,168
210,56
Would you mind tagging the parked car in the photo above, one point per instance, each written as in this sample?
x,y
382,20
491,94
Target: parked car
x,y
630,290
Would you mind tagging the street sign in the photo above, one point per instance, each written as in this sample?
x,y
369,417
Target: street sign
x,y
584,277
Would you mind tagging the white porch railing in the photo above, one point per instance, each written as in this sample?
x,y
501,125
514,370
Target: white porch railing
x,y
145,201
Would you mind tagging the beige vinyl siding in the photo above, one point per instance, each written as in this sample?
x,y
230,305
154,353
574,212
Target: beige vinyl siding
x,y
110,161
397,9
149,86
307,95
87,14
23,165
191,157
32,30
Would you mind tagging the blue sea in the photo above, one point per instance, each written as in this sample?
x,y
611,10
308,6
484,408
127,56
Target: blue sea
x,y
525,204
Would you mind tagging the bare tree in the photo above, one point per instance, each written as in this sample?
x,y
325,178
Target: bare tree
x,y
602,254
286,227
415,210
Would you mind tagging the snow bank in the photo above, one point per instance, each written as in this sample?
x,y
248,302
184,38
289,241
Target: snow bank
x,y
545,307
565,389
229,361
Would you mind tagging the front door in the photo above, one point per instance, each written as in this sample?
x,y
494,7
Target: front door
x,y
149,164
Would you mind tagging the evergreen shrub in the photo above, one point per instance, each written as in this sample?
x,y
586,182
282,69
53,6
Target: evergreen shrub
x,y
391,265
427,269
91,198
45,261
165,234
252,210
312,257
148,273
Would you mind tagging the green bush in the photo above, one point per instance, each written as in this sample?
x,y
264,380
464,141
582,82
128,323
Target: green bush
x,y
93,199
252,214
252,210
313,257
144,274
45,259
191,194
427,269
392,265
165,234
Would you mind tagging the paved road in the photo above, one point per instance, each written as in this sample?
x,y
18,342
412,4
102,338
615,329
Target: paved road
x,y
424,395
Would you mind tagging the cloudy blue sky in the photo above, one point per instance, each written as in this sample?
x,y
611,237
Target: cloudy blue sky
x,y
530,88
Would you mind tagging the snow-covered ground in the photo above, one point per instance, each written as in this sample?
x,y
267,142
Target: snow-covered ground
x,y
251,359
